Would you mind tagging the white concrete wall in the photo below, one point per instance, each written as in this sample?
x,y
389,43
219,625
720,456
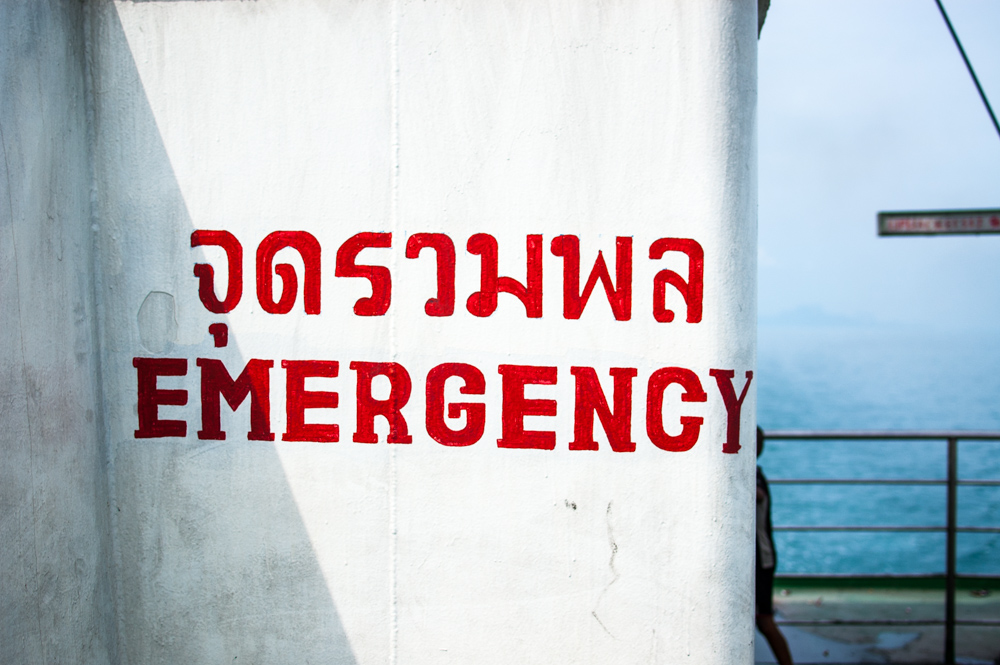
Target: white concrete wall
x,y
339,118
55,599
632,120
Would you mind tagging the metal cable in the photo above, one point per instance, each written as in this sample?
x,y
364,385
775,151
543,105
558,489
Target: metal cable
x,y
968,65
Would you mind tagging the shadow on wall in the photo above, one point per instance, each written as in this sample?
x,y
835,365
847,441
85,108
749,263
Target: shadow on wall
x,y
214,563
55,599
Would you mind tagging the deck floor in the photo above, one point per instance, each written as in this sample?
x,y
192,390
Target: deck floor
x,y
883,644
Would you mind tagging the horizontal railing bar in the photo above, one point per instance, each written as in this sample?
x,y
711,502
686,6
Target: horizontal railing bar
x,y
898,529
886,576
873,435
860,622
854,481
878,481
826,661
884,622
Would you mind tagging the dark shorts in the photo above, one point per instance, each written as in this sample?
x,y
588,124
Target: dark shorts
x,y
764,591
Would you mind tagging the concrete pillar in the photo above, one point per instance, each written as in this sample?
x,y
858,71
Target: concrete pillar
x,y
427,329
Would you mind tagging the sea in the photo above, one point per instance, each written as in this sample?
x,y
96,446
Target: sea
x,y
842,377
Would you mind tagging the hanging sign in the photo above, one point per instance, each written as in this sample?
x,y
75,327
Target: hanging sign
x,y
938,222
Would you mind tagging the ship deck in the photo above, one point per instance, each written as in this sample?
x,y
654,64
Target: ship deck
x,y
843,604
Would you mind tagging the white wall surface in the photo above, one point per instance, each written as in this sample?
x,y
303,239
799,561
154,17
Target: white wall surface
x,y
633,120
55,599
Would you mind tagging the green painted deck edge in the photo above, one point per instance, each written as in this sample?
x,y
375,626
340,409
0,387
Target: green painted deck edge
x,y
923,582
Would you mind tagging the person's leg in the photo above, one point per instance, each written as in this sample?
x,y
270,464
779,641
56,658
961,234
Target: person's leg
x,y
763,600
769,629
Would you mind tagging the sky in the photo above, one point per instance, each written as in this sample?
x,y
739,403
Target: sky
x,y
867,106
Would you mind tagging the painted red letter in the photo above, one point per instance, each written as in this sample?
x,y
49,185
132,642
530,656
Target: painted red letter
x,y
620,297
590,398
516,407
298,399
206,274
444,303
308,247
150,397
484,301
690,426
254,380
369,407
724,379
475,412
379,276
692,289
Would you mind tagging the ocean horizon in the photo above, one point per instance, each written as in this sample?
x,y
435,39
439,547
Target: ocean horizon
x,y
818,372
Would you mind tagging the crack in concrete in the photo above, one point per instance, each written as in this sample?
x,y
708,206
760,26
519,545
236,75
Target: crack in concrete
x,y
611,565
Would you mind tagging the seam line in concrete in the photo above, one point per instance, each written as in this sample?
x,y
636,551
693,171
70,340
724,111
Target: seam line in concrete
x,y
394,220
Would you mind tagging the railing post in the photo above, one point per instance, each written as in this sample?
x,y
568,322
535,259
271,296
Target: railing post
x,y
949,599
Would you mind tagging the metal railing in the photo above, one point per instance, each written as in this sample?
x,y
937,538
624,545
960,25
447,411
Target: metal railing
x,y
950,528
